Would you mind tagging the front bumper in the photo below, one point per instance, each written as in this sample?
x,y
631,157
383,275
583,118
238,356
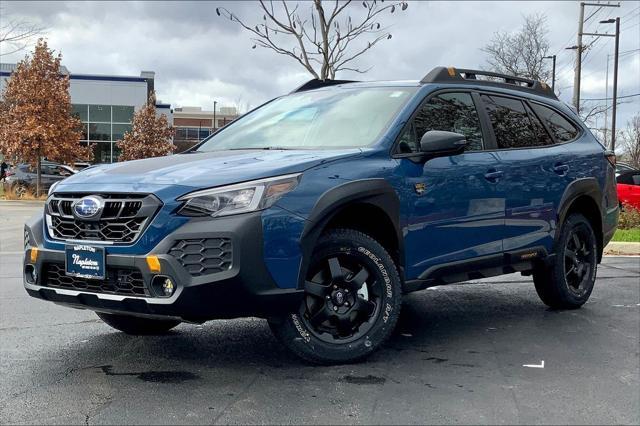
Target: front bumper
x,y
246,288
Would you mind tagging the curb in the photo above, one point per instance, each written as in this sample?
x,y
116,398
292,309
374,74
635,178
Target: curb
x,y
622,248
35,202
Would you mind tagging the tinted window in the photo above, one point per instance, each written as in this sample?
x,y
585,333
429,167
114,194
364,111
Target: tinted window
x,y
511,123
559,126
451,112
539,130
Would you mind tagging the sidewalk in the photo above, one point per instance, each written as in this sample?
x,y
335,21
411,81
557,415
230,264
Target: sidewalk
x,y
615,248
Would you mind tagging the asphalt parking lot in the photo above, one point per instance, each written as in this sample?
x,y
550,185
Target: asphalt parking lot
x,y
458,356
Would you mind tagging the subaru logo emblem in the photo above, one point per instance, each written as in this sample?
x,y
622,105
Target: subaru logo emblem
x,y
87,207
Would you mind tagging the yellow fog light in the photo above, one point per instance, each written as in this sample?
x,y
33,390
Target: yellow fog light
x,y
168,287
34,254
153,263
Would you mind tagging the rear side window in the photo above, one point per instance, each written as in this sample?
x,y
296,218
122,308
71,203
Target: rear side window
x,y
563,130
511,123
451,112
539,130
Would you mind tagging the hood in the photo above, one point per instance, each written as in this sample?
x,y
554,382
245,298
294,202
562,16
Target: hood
x,y
206,169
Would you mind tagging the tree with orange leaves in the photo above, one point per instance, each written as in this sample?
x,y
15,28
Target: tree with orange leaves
x,y
36,118
150,134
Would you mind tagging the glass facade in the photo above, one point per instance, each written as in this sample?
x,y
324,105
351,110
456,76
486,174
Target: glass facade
x,y
103,126
188,137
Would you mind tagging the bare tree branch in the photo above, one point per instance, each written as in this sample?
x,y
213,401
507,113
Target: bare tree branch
x,y
325,37
631,142
17,34
522,53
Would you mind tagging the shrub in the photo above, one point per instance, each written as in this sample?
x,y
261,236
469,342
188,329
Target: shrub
x,y
629,217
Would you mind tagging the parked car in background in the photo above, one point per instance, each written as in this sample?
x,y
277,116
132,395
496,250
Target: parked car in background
x,y
81,165
623,167
628,183
23,177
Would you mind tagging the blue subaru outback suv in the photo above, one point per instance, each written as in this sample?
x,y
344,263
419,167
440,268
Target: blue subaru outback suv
x,y
320,209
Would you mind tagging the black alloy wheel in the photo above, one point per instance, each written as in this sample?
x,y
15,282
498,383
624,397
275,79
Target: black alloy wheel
x,y
342,298
351,301
578,261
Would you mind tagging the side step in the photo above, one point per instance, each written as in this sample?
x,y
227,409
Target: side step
x,y
478,268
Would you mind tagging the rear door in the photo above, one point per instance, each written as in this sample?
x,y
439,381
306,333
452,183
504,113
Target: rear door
x,y
535,170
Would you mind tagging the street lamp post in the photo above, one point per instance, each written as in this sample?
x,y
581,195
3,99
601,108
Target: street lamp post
x,y
553,72
215,123
615,75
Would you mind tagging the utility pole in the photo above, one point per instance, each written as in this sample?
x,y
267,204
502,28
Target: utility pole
x,y
615,74
606,101
578,69
615,88
215,123
553,72
579,48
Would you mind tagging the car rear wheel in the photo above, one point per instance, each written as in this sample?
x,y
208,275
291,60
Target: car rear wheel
x,y
351,304
568,283
137,325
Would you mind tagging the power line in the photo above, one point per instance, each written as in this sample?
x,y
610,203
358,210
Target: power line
x,y
608,99
624,55
629,13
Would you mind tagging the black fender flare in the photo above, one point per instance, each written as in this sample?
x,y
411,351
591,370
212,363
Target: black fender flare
x,y
580,187
377,192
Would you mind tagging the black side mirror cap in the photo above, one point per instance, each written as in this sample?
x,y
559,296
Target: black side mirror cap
x,y
438,143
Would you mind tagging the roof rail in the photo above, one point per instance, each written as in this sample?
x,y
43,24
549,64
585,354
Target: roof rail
x,y
316,84
460,75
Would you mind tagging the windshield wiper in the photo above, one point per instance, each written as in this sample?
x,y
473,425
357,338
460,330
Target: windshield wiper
x,y
264,148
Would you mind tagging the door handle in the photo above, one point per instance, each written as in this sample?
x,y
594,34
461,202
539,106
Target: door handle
x,y
561,169
493,175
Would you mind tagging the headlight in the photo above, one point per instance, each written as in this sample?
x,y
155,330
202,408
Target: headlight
x,y
239,198
53,187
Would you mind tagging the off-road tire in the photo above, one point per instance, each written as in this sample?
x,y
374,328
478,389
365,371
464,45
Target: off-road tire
x,y
137,326
556,283
384,290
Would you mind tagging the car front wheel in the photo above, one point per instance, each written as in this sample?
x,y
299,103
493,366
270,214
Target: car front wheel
x,y
351,304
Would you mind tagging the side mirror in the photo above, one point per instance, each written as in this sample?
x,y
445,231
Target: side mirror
x,y
438,143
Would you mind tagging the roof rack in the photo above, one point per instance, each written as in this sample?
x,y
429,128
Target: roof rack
x,y
459,75
316,84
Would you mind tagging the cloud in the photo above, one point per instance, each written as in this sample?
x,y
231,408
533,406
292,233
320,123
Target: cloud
x,y
199,57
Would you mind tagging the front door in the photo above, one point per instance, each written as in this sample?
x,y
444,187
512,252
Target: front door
x,y
457,202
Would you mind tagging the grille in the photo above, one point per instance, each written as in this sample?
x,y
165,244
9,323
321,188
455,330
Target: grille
x,y
118,281
122,220
203,256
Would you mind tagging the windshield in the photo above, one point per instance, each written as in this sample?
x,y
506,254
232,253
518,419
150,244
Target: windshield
x,y
337,118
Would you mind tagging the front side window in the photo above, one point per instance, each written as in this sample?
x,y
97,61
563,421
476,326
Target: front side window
x,y
451,112
322,119
511,123
561,128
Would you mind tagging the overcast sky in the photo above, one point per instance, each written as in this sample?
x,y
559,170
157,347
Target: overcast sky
x,y
199,57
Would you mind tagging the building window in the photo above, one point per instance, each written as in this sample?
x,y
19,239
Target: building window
x,y
118,131
80,111
122,114
104,124
99,113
